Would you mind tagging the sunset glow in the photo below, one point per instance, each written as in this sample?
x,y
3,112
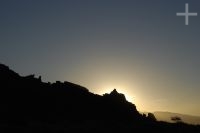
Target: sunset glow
x,y
141,48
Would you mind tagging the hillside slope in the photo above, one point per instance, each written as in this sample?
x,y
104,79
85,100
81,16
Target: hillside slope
x,y
30,105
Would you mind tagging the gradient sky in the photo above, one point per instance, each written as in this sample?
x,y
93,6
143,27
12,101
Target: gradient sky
x,y
139,47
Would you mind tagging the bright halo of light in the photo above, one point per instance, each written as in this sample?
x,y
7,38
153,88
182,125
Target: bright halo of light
x,y
129,96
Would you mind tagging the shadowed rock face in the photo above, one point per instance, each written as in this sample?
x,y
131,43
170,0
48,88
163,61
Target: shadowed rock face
x,y
27,99
30,105
114,95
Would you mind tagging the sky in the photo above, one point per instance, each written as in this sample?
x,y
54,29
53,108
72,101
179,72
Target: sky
x,y
139,47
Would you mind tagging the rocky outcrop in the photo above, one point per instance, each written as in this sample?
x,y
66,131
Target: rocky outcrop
x,y
30,105
114,95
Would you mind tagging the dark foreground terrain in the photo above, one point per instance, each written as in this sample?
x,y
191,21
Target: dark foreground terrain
x,y
29,105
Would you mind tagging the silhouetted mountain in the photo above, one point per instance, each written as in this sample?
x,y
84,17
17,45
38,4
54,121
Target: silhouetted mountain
x,y
30,105
114,95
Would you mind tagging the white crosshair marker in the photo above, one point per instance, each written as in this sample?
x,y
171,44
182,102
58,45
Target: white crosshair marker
x,y
186,14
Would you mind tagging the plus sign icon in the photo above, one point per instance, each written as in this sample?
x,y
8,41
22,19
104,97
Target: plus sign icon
x,y
186,14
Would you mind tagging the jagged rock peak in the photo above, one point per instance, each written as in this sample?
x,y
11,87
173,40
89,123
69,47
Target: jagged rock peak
x,y
114,92
115,96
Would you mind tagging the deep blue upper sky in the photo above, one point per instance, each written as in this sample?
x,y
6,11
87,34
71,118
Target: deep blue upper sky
x,y
140,47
